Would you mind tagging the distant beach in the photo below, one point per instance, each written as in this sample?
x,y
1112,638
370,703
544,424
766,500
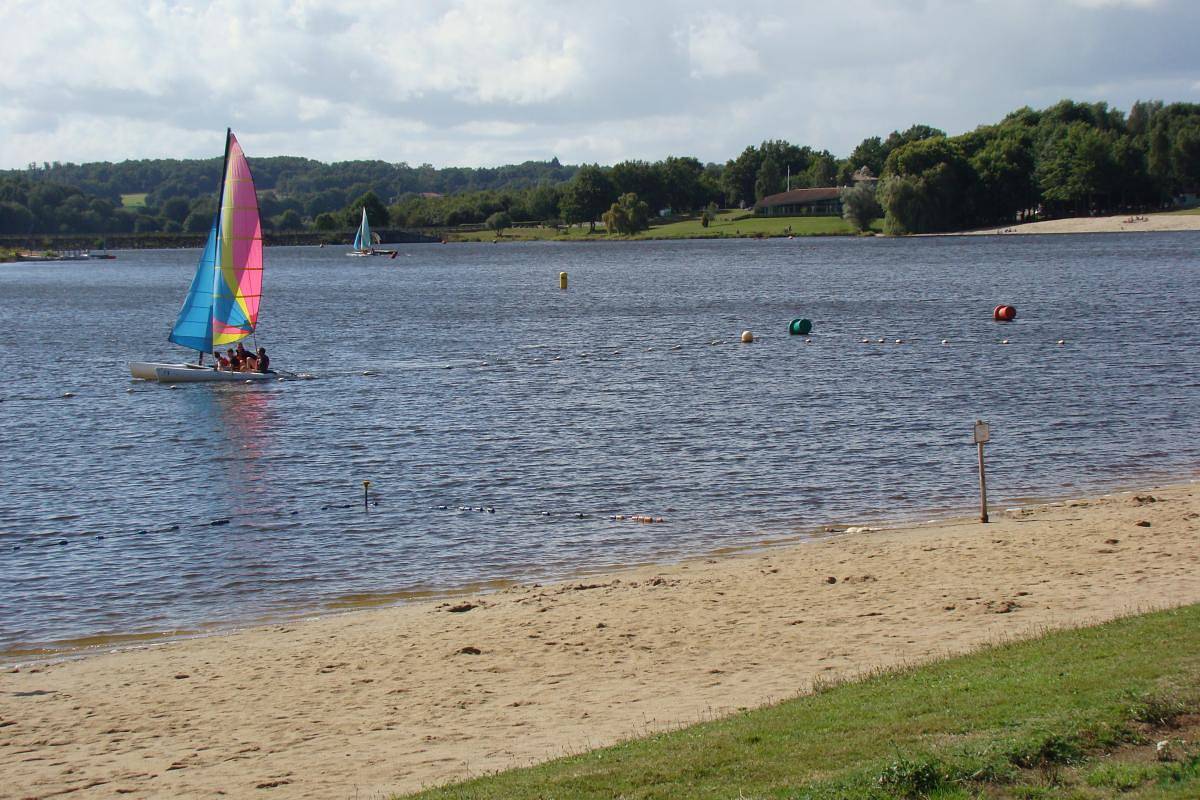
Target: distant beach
x,y
1120,223
390,700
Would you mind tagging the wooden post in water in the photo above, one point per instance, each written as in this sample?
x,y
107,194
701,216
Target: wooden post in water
x,y
367,485
982,434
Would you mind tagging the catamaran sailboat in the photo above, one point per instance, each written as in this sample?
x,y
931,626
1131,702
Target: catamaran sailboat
x,y
221,307
365,241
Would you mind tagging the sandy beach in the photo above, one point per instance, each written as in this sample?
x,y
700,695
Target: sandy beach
x,y
387,700
1121,223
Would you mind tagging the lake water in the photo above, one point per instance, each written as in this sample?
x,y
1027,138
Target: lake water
x,y
457,378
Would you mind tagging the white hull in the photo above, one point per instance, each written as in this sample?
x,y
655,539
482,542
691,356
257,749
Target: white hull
x,y
190,373
362,253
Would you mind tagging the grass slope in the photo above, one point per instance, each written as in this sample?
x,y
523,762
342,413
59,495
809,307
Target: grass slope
x,y
732,224
134,200
1023,720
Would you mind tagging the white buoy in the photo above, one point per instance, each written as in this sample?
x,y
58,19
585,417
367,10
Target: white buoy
x,y
879,341
1004,341
899,341
945,341
866,341
1061,341
808,341
68,394
747,337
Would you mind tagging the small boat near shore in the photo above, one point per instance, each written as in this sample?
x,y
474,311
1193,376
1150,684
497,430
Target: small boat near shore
x,y
221,307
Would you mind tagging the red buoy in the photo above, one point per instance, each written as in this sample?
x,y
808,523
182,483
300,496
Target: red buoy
x,y
1004,313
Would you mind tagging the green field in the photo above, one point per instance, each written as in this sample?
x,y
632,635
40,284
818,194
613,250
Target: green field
x,y
731,224
1195,210
1074,714
134,200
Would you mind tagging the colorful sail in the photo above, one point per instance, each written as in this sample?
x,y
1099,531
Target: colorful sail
x,y
238,285
221,306
194,326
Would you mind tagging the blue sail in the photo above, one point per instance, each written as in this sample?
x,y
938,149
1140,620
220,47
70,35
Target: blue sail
x,y
194,327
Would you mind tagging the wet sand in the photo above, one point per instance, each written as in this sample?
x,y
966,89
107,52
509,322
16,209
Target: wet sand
x,y
387,700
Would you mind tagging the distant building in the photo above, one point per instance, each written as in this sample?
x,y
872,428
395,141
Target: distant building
x,y
864,175
824,202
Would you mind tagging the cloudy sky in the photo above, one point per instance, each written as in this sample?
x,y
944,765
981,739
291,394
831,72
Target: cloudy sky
x,y
487,82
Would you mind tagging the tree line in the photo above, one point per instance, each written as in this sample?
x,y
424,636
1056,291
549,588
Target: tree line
x,y
1067,160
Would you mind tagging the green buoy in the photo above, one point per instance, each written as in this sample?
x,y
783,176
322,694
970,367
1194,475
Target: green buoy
x,y
800,327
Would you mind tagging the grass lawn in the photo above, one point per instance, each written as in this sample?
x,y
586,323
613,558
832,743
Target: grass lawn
x,y
1072,714
1195,210
731,224
134,200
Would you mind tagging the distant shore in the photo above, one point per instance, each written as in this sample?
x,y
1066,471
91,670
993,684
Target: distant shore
x,y
740,228
387,700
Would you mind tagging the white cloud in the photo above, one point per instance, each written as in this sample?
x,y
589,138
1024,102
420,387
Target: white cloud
x,y
482,82
717,48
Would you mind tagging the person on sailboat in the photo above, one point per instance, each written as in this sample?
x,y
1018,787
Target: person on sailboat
x,y
222,361
243,353
264,363
235,363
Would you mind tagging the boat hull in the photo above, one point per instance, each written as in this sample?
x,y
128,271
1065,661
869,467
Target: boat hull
x,y
190,373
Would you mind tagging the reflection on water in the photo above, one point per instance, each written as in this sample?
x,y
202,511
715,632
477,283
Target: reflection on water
x,y
240,424
461,379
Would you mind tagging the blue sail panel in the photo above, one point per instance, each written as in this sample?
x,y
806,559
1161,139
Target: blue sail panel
x,y
194,326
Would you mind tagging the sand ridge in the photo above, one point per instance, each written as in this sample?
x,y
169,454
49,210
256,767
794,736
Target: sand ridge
x,y
388,700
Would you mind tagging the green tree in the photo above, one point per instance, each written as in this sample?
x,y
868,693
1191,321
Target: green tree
x,y
177,208
925,187
377,213
859,206
327,222
768,181
198,222
290,220
542,201
498,221
587,196
628,215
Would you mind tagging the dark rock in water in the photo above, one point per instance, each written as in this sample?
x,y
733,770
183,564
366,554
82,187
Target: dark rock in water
x,y
62,541
143,530
171,528
324,508
216,522
490,510
99,536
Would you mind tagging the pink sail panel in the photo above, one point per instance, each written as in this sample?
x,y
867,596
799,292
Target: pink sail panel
x,y
240,256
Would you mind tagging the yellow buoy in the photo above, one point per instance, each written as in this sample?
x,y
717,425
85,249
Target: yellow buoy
x,y
562,280
747,337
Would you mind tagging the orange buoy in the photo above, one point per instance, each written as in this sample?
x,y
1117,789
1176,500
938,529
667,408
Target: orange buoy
x,y
1003,313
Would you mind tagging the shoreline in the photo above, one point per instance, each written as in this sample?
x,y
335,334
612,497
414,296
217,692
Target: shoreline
x,y
90,645
1157,222
396,698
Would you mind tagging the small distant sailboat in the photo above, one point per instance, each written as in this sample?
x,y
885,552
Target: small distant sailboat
x,y
221,307
365,241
